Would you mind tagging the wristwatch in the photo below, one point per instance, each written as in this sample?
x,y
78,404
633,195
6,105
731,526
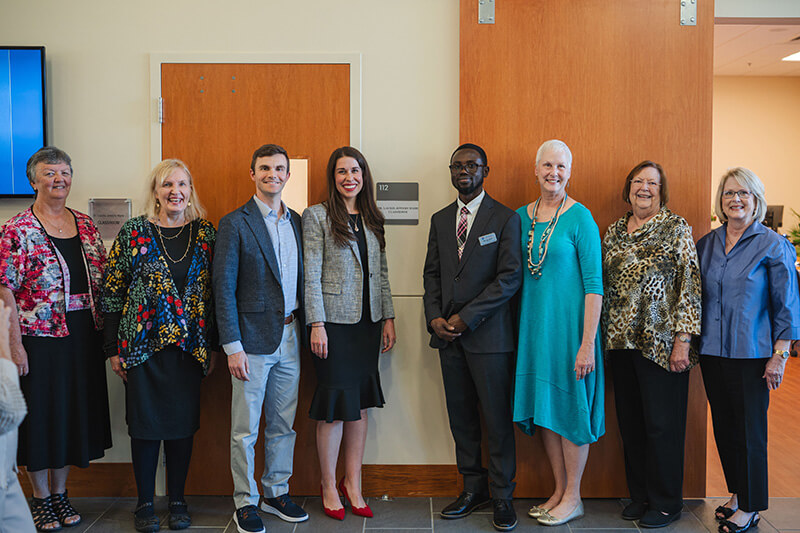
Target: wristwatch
x,y
684,338
783,353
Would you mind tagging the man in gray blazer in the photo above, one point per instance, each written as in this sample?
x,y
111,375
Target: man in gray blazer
x,y
258,289
472,270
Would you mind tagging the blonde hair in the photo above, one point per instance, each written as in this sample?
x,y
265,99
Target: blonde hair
x,y
158,175
748,179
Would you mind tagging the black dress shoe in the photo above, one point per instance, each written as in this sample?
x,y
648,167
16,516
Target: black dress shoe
x,y
505,518
465,504
653,519
634,511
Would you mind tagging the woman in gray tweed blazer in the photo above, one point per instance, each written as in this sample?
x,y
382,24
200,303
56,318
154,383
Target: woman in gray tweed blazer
x,y
348,305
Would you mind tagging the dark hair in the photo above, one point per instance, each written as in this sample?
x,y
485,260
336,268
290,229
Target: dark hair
x,y
470,146
266,151
663,190
338,218
49,155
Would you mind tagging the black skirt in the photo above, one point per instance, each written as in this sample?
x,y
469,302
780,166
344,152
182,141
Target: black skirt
x,y
67,422
162,396
348,380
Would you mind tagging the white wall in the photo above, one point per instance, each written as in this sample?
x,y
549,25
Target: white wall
x,y
100,112
756,8
757,125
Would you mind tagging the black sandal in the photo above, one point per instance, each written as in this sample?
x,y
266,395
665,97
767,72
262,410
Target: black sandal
x,y
179,515
726,512
64,509
736,528
145,519
42,513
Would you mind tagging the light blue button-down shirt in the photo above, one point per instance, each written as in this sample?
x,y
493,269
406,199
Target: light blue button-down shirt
x,y
281,233
750,295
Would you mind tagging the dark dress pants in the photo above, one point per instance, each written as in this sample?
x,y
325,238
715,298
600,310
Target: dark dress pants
x,y
739,398
651,411
481,378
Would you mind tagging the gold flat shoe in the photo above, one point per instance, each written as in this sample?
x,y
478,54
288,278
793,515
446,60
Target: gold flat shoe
x,y
536,511
549,520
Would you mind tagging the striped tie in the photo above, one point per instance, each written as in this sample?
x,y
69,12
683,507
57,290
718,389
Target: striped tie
x,y
461,232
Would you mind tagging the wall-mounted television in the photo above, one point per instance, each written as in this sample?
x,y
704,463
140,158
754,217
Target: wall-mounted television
x,y
22,115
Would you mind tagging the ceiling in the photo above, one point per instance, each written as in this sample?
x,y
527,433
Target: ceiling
x,y
755,49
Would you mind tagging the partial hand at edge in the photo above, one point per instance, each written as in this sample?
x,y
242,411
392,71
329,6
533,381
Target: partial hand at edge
x,y
239,366
116,367
389,337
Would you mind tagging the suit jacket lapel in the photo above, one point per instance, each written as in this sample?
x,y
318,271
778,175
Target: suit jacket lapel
x,y
481,218
253,218
447,242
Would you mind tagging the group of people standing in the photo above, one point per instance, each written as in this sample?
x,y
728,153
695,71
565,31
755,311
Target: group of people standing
x,y
643,299
521,305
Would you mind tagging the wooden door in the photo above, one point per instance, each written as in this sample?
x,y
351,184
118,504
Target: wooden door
x,y
215,116
619,82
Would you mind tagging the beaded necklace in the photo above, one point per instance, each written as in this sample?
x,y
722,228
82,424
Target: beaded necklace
x,y
544,240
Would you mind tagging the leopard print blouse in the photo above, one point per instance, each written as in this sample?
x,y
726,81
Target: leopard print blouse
x,y
652,283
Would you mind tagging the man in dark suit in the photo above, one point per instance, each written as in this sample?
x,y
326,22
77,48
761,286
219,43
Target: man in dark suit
x,y
258,288
472,270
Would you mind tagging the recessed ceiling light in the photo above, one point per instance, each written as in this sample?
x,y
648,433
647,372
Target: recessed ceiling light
x,y
793,57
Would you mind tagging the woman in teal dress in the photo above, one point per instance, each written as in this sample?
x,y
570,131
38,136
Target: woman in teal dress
x,y
559,378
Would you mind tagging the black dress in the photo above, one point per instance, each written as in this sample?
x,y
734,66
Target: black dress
x,y
66,393
162,395
348,379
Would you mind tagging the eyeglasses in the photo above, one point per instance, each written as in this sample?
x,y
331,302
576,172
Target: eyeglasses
x,y
471,166
743,195
649,183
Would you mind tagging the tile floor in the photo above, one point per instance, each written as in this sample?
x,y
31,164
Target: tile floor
x,y
212,514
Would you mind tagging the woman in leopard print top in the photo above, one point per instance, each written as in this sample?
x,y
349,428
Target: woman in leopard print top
x,y
650,311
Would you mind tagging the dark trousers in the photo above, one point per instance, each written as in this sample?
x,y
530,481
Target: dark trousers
x,y
470,379
651,411
739,398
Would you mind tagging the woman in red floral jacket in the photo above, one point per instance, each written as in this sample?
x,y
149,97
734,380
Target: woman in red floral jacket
x,y
51,268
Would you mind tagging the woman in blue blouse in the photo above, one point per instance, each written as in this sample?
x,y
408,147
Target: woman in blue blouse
x,y
751,313
159,332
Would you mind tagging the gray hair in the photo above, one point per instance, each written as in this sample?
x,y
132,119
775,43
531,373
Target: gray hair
x,y
746,178
49,155
556,146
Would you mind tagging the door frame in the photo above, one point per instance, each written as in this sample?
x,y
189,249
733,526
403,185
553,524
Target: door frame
x,y
338,58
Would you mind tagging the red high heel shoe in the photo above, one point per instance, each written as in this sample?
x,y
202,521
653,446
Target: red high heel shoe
x,y
336,514
365,511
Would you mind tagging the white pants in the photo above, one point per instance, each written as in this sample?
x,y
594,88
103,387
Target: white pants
x,y
15,517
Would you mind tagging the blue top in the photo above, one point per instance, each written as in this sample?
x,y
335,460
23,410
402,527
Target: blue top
x,y
750,295
551,313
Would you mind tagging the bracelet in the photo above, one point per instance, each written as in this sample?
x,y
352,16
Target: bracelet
x,y
317,325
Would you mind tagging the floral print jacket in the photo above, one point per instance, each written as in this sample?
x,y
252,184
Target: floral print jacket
x,y
138,284
33,269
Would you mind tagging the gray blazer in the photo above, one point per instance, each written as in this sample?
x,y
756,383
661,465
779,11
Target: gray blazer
x,y
247,282
334,277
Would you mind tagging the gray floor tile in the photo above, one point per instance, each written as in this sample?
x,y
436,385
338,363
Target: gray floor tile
x,y
687,523
400,513
92,505
119,516
602,514
602,530
783,513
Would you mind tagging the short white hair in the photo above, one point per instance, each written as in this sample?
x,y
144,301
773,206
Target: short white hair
x,y
748,179
556,146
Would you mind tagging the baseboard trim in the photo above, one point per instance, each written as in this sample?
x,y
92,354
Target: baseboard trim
x,y
99,479
410,480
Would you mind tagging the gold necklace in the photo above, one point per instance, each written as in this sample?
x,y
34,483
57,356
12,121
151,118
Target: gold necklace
x,y
544,240
174,236
163,247
354,223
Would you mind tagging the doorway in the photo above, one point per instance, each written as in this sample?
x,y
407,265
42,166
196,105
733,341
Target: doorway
x,y
215,114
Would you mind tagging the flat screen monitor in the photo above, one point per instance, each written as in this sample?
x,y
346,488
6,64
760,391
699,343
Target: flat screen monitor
x,y
22,115
773,218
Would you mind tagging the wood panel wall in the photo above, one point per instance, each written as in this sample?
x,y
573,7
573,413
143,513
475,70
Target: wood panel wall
x,y
619,82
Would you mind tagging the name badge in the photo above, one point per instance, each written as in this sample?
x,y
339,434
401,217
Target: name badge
x,y
489,238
